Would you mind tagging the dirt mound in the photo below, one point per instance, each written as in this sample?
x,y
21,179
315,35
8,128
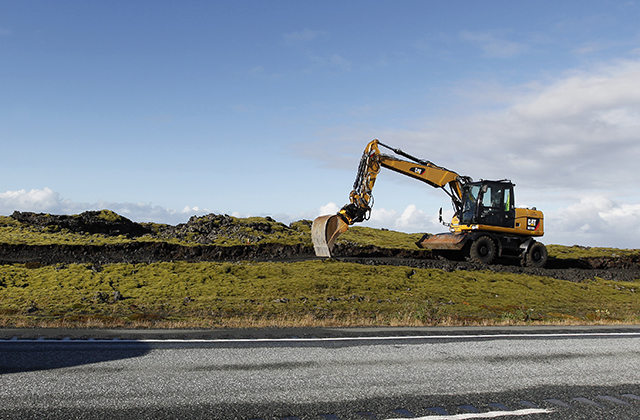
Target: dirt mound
x,y
615,262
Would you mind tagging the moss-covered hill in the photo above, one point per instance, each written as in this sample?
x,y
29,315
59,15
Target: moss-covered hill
x,y
221,271
108,228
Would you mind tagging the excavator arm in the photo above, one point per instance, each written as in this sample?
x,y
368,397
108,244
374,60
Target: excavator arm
x,y
326,229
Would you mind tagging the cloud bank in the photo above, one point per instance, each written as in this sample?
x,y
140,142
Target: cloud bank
x,y
49,201
578,133
592,221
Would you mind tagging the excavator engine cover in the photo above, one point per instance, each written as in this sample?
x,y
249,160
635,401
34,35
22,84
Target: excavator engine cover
x,y
452,241
324,232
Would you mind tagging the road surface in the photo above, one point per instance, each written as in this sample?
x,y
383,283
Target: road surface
x,y
437,374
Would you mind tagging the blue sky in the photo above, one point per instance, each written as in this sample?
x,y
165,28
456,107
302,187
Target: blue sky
x,y
163,110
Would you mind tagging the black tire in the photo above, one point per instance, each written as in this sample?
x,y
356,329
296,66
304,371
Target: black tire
x,y
483,250
536,256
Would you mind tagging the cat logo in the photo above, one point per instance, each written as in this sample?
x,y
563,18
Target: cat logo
x,y
417,170
533,224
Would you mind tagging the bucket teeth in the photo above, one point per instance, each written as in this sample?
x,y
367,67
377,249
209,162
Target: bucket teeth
x,y
324,232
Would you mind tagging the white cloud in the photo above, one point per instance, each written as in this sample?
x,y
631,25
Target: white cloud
x,y
596,220
579,133
580,95
45,200
329,208
49,201
145,212
411,219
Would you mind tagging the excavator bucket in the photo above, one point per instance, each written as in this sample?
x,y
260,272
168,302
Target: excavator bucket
x,y
324,232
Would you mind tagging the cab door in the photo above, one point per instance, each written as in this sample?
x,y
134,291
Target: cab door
x,y
496,205
508,206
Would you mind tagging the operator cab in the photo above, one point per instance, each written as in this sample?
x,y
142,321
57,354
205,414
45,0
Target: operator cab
x,y
488,203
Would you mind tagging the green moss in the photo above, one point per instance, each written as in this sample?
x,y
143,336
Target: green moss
x,y
347,293
343,291
6,221
302,226
109,216
577,252
52,235
379,237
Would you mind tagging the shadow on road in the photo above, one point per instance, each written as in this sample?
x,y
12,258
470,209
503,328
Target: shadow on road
x,y
559,402
21,356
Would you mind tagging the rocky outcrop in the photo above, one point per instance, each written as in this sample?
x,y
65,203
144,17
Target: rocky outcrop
x,y
205,230
103,222
209,228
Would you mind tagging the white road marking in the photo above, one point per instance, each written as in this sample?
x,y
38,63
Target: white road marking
x,y
328,339
487,415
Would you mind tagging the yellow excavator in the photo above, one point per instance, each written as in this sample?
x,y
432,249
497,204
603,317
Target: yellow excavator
x,y
486,223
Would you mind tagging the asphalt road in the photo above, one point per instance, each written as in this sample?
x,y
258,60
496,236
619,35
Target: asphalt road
x,y
336,374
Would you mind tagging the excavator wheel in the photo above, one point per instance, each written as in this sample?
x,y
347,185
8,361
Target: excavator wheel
x,y
483,250
324,232
536,256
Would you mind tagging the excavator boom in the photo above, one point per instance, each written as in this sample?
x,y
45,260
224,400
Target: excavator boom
x,y
326,229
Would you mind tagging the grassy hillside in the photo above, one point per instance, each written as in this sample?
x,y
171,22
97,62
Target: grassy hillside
x,y
318,292
206,230
228,230
310,293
